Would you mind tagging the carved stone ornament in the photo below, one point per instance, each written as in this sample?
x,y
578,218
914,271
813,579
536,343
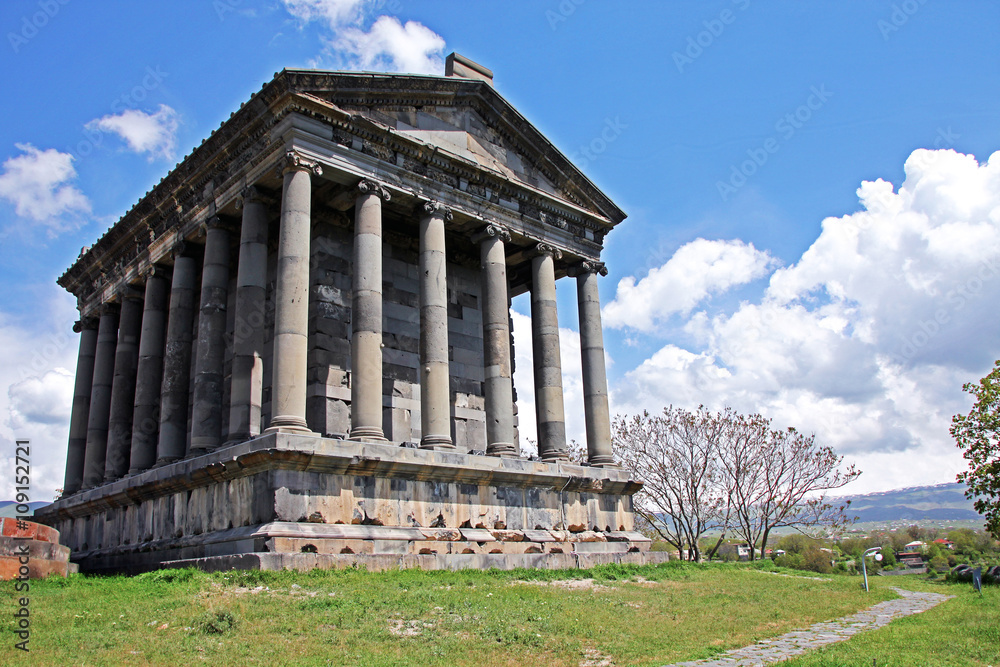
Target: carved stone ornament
x,y
437,209
250,194
294,161
370,187
85,323
588,266
491,230
548,249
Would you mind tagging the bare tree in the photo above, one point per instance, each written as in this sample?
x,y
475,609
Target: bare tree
x,y
675,455
779,478
704,470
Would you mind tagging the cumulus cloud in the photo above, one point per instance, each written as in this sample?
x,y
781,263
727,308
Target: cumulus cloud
x,y
867,339
37,365
38,183
386,45
696,271
152,133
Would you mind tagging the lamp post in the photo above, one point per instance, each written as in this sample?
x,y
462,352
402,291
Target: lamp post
x,y
874,551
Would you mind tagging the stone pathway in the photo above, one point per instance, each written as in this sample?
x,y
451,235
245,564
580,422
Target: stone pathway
x,y
768,651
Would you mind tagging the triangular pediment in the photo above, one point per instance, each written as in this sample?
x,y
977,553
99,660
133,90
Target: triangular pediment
x,y
460,117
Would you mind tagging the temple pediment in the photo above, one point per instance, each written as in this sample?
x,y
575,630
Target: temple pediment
x,y
460,117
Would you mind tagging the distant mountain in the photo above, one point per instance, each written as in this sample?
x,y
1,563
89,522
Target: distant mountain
x,y
941,502
8,508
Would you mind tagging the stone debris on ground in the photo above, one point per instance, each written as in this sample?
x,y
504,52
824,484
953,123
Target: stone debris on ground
x,y
768,651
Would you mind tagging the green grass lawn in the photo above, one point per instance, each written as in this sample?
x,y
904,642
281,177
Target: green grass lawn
x,y
963,631
612,615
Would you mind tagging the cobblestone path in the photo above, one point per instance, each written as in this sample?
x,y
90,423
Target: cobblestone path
x,y
769,651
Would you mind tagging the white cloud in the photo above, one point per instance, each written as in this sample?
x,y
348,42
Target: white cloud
x,y
387,45
867,339
38,184
393,47
696,271
334,13
37,365
152,133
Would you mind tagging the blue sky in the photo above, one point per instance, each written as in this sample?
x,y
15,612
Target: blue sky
x,y
755,268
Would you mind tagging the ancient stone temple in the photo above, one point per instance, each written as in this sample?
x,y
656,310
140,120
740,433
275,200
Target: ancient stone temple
x,y
296,351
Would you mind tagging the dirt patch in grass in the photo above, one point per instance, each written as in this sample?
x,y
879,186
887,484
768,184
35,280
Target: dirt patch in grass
x,y
567,584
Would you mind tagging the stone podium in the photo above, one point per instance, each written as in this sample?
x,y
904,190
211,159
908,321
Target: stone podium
x,y
296,349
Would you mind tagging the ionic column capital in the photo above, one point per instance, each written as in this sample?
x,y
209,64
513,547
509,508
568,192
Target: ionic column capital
x,y
180,247
131,292
588,266
369,187
215,222
295,161
158,270
109,308
546,250
252,195
491,230
437,210
85,323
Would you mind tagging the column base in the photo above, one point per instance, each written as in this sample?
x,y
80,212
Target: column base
x,y
602,462
136,471
289,424
165,461
504,450
555,457
436,442
201,446
367,434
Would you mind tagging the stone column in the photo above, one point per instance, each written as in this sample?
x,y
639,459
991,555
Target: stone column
x,y
206,409
123,388
435,385
146,413
549,410
76,452
172,443
366,314
497,365
100,397
595,379
248,332
291,298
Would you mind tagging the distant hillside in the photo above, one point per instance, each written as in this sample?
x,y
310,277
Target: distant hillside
x,y
941,502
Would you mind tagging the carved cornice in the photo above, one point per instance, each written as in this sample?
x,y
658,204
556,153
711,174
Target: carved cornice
x,y
369,187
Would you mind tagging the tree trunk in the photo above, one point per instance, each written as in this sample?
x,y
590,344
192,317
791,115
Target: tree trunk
x,y
711,554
